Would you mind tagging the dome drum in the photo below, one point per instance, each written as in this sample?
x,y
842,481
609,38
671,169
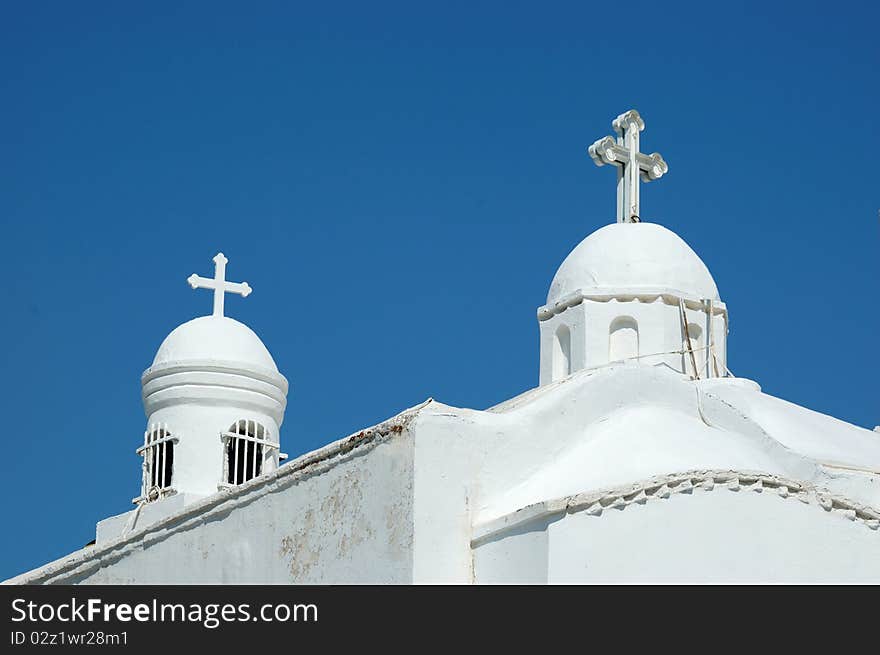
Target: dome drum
x,y
214,384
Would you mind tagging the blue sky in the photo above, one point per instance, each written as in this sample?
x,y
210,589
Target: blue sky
x,y
398,183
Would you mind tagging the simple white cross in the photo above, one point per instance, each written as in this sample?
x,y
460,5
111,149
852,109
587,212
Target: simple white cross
x,y
623,152
219,284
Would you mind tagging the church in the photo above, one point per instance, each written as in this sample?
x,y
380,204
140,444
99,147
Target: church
x,y
639,457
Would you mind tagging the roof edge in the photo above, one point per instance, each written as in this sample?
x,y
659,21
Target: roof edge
x,y
628,294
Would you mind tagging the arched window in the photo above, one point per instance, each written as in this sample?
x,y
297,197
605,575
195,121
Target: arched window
x,y
158,468
246,446
623,339
561,353
695,334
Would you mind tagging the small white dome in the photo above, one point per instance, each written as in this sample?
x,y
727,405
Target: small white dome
x,y
633,256
215,338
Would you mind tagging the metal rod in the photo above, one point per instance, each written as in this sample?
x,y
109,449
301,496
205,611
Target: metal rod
x,y
709,340
687,336
621,194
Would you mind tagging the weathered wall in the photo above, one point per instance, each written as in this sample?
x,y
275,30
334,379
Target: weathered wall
x,y
346,518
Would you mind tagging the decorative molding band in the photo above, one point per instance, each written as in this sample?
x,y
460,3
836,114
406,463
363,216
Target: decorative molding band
x,y
228,388
215,366
669,296
663,487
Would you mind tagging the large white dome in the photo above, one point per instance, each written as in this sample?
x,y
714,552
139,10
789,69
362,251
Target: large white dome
x,y
633,256
215,339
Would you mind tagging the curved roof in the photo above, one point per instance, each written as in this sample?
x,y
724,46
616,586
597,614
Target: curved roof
x,y
633,256
214,338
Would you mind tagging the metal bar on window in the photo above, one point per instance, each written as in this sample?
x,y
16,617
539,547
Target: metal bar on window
x,y
157,447
145,466
164,448
244,437
254,471
166,476
236,443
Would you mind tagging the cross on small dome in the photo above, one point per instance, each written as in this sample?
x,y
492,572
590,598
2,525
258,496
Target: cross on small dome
x,y
219,284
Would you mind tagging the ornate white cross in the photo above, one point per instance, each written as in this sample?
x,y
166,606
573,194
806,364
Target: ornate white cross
x,y
219,284
623,152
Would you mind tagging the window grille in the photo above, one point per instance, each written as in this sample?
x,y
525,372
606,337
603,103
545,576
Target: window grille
x,y
158,466
247,446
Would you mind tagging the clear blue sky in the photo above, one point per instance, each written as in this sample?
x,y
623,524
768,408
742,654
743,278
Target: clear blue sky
x,y
398,184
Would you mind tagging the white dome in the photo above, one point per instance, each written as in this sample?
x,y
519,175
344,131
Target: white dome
x,y
215,339
633,256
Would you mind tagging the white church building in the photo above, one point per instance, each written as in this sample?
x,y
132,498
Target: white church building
x,y
639,458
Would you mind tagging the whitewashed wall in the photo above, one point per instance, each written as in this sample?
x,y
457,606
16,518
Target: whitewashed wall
x,y
718,536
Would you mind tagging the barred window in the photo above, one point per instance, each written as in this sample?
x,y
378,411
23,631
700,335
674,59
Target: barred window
x,y
158,466
247,446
